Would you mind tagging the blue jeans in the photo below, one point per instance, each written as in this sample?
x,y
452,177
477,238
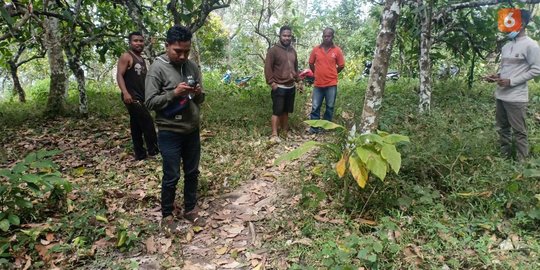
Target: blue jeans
x,y
176,148
327,93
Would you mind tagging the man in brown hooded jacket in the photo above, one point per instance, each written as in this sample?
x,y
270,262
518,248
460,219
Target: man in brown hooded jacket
x,y
281,73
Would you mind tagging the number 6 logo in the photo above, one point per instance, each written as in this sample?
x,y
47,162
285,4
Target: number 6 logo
x,y
509,20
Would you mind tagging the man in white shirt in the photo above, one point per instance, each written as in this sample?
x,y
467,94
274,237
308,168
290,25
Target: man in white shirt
x,y
520,62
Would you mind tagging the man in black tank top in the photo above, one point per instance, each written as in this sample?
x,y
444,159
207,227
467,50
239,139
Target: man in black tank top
x,y
131,75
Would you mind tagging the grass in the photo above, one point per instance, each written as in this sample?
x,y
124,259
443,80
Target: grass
x,y
453,203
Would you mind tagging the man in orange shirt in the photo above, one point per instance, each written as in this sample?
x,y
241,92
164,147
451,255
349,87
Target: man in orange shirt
x,y
326,61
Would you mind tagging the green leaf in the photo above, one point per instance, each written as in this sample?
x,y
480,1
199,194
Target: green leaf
x,y
23,203
19,168
102,219
47,153
43,164
31,178
323,124
369,138
30,158
377,247
534,213
6,173
14,220
5,15
298,152
392,156
4,225
395,138
377,166
122,237
189,4
365,153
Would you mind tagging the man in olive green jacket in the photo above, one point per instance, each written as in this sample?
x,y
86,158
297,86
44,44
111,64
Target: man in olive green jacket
x,y
174,91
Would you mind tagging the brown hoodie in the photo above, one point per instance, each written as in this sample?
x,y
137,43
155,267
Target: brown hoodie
x,y
281,65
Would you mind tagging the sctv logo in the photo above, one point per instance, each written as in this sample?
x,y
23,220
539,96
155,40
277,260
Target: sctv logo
x,y
509,20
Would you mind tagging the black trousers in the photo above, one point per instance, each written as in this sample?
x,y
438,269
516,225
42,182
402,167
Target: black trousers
x,y
179,149
142,124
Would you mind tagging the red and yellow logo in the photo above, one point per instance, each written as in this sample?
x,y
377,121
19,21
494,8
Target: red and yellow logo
x,y
509,20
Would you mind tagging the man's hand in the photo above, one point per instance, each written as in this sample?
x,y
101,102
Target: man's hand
x,y
503,82
127,98
182,89
491,78
197,89
274,86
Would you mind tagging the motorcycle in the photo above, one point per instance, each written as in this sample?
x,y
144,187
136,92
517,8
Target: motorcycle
x,y
307,75
390,75
241,81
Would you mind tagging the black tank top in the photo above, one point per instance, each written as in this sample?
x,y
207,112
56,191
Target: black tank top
x,y
134,77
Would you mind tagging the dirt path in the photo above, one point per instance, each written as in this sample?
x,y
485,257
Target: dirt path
x,y
236,224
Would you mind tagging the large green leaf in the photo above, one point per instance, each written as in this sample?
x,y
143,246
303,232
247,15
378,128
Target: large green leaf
x,y
377,165
395,138
365,153
298,152
369,138
323,124
392,156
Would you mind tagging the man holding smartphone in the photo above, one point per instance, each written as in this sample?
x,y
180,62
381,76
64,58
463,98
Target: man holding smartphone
x,y
174,91
520,62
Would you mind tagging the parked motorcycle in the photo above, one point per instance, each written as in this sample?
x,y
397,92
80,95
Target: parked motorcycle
x,y
307,76
390,75
241,81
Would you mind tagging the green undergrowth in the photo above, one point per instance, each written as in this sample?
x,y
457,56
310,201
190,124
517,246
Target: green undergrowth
x,y
454,204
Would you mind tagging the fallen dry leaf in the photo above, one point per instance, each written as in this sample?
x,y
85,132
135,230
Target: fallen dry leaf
x,y
232,265
366,221
221,250
189,236
43,252
165,245
150,245
412,254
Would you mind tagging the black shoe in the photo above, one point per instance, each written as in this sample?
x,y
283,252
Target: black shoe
x,y
138,158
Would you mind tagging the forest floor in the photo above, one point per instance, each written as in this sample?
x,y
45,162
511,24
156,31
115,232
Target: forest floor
x,y
114,194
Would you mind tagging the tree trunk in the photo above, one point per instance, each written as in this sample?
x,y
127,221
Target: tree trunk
x,y
425,61
377,75
58,85
195,54
78,71
17,88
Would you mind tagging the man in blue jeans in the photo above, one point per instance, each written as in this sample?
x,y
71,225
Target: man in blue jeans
x,y
326,61
174,91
